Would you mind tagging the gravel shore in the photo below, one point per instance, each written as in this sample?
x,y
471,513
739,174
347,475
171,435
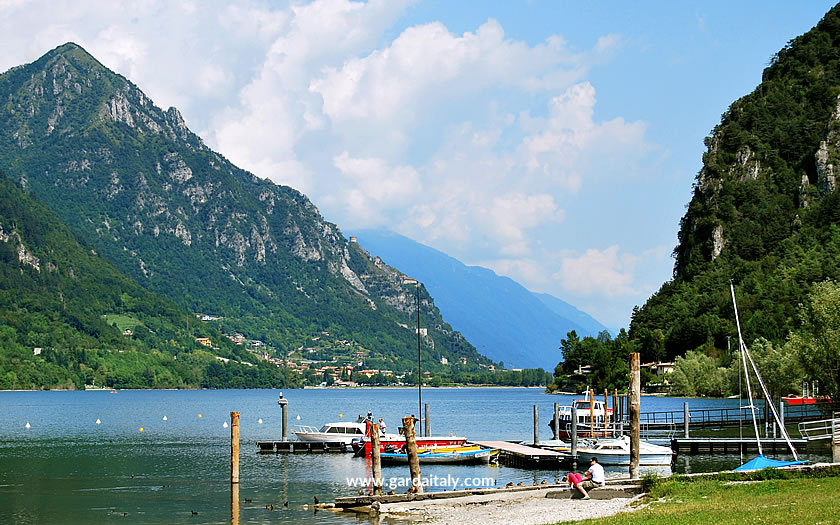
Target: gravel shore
x,y
520,508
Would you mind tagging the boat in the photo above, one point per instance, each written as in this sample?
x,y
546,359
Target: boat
x,y
391,443
469,455
614,451
342,431
759,462
593,418
799,400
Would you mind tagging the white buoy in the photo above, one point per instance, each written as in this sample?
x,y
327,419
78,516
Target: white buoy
x,y
224,425
259,421
98,422
27,425
298,418
164,418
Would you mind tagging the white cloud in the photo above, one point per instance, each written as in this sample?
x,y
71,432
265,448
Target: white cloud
x,y
608,273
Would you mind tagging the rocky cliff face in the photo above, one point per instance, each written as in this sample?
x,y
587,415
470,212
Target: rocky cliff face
x,y
135,182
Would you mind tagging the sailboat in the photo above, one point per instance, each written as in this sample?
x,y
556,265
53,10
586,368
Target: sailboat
x,y
761,461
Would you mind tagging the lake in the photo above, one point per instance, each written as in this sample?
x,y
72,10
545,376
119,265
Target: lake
x,y
66,468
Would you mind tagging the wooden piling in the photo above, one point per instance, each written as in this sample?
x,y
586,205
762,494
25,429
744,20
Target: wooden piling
x,y
376,459
635,413
615,430
556,421
536,424
591,413
411,450
428,422
234,447
234,504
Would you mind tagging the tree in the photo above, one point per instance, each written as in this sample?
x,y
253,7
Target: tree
x,y
697,374
817,343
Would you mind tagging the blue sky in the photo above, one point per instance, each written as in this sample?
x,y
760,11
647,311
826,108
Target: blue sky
x,y
554,142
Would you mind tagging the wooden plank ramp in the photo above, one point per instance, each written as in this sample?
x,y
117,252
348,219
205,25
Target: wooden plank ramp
x,y
519,455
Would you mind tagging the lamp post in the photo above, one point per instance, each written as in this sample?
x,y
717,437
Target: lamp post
x,y
419,371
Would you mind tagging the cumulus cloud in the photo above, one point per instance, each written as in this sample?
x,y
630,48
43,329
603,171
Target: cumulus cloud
x,y
476,143
608,272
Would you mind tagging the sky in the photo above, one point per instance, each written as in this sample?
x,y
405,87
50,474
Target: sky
x,y
553,142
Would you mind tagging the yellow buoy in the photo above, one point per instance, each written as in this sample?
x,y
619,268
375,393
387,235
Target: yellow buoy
x,y
200,415
141,429
341,415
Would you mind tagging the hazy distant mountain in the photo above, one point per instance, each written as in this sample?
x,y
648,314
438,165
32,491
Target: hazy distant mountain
x,y
504,321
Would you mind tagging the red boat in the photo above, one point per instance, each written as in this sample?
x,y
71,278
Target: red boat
x,y
799,400
395,443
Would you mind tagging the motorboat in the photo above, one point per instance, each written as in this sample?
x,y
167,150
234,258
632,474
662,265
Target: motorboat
x,y
469,455
392,443
341,431
614,451
593,418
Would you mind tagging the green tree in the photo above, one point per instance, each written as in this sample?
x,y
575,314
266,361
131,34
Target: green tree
x,y
818,341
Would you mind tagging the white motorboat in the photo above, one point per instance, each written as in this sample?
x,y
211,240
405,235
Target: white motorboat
x,y
341,431
615,451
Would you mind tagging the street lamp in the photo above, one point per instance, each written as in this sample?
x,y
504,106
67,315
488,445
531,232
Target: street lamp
x,y
419,372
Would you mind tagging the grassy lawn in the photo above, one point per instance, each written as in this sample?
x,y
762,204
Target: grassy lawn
x,y
121,321
789,501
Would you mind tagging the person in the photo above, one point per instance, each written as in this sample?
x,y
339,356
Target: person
x,y
382,426
594,477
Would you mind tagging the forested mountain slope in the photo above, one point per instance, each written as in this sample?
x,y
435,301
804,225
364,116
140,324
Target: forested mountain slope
x,y
133,182
765,210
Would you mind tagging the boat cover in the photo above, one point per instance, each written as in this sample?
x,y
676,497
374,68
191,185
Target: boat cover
x,y
762,462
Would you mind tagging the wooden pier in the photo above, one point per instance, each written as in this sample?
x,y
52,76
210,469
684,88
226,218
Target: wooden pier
x,y
700,445
296,447
516,455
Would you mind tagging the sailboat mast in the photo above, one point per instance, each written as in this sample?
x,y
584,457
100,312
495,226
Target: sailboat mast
x,y
742,347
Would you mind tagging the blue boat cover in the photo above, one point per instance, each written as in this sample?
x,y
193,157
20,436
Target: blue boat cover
x,y
761,462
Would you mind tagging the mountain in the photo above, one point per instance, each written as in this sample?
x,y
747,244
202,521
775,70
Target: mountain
x,y
765,209
588,324
69,318
133,182
499,316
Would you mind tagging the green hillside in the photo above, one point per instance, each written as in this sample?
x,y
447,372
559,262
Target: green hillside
x,y
134,183
69,318
765,210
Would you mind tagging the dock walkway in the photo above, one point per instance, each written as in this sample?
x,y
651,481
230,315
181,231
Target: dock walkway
x,y
515,454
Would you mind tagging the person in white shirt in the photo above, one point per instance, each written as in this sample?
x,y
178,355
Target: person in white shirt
x,y
594,477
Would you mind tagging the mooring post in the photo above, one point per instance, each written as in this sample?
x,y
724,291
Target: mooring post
x,y
283,402
556,421
574,434
234,447
635,413
234,504
411,450
835,441
428,424
686,418
782,412
615,414
376,459
536,424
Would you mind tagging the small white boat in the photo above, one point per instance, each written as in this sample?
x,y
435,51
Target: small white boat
x,y
615,451
341,431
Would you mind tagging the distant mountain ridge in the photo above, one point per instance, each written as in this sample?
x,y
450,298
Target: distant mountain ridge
x,y
504,321
133,181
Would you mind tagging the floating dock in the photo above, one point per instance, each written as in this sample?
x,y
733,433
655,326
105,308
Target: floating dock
x,y
295,447
700,445
516,455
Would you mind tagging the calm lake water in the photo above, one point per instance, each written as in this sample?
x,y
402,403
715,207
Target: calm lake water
x,y
66,468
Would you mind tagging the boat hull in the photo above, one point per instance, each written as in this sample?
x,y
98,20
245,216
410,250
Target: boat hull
x,y
449,458
394,444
